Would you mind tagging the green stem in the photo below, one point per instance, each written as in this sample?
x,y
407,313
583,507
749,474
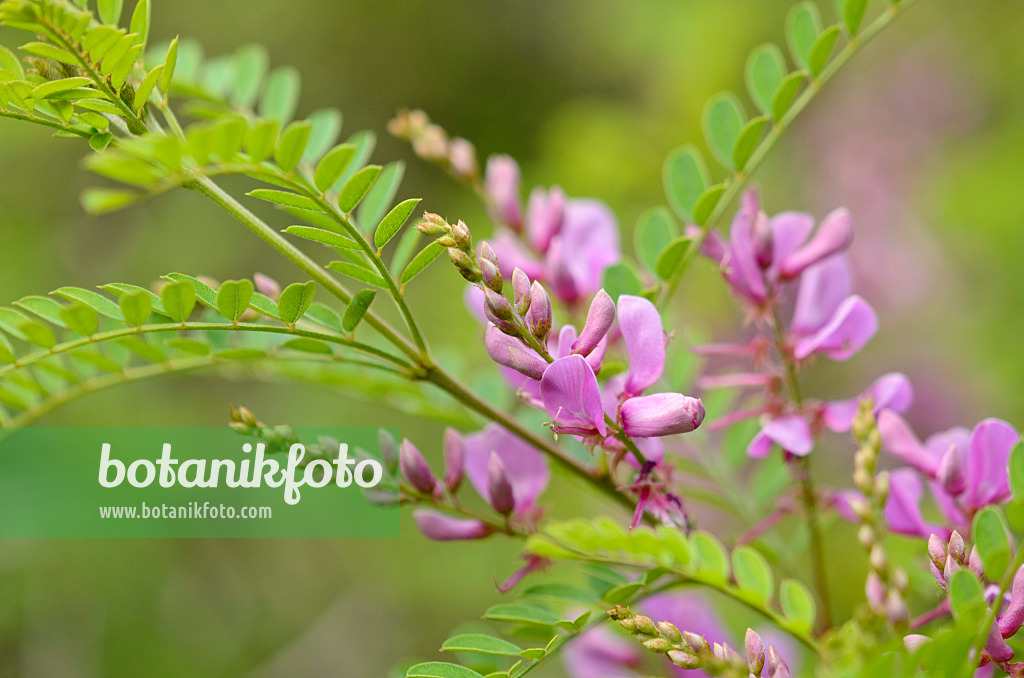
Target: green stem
x,y
53,124
993,611
740,179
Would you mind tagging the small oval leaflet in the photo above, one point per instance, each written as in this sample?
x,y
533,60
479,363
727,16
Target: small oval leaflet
x,y
136,307
233,298
685,175
355,189
294,301
357,309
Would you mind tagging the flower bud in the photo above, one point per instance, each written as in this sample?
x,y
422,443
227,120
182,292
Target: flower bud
x,y
661,414
697,643
950,568
619,612
915,642
755,651
501,185
860,507
957,549
491,275
388,450
777,667
454,459
448,241
874,591
465,265
950,473
659,645
440,527
645,625
415,469
462,158
499,489
881,487
670,631
463,238
538,318
896,611
683,660
1012,617
267,286
878,559
431,143
521,291
496,305
432,225
547,211
974,563
599,320
866,536
900,579
937,551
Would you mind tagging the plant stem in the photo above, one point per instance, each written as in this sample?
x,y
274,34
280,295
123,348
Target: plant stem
x,y
993,611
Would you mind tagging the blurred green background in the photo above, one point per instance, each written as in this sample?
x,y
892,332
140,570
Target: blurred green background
x,y
920,137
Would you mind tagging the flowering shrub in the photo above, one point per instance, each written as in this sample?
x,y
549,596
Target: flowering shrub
x,y
577,329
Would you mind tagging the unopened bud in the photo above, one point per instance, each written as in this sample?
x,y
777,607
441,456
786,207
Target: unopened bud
x,y
937,551
896,608
777,667
950,568
951,473
431,143
974,563
499,488
683,660
659,645
861,508
619,612
878,559
463,237
645,625
521,291
462,158
491,275
881,487
447,241
388,450
957,548
915,642
670,631
539,318
863,480
267,286
900,580
454,459
415,469
874,591
697,643
465,265
866,536
497,305
432,225
755,651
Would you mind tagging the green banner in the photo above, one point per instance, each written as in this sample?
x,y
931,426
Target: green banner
x,y
192,482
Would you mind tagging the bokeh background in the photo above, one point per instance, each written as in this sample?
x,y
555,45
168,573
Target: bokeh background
x,y
920,137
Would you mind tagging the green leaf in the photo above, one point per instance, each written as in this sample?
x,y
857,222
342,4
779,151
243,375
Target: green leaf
x,y
97,302
136,308
364,142
393,222
324,315
100,40
96,359
746,144
521,613
322,236
103,200
260,139
420,262
281,95
226,136
326,126
109,10
44,307
822,50
286,198
6,351
357,272
170,61
765,69
853,14
654,231
480,644
190,346
712,563
355,188
753,574
379,198
706,204
307,345
797,603
966,599
37,333
54,86
1016,470
332,165
240,354
802,27
140,21
146,87
143,348
671,257
440,670
621,279
562,593
1014,510
80,319
11,63
233,298
686,177
179,298
622,593
722,121
786,94
48,51
250,66
989,531
357,309
123,67
204,293
294,301
292,144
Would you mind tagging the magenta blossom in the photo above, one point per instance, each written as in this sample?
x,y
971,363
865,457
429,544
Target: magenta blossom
x,y
891,391
566,243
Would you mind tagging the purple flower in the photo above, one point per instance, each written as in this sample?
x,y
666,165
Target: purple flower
x,y
501,180
849,328
833,236
790,432
571,397
891,391
661,414
441,527
600,653
523,466
640,324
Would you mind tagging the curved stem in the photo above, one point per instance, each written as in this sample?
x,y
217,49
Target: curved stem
x,y
64,347
53,124
739,180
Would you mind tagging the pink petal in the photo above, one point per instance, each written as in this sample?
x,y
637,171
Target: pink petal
x,y
571,395
833,236
742,270
902,510
524,465
891,391
789,231
501,183
852,325
441,527
640,324
791,433
544,215
988,457
590,238
661,414
822,288
600,317
512,352
898,439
